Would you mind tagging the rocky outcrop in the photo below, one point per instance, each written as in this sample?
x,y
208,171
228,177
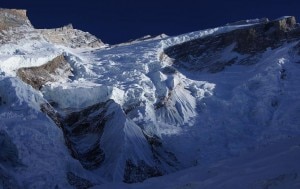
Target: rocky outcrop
x,y
87,125
139,172
84,125
66,35
93,133
11,18
160,154
70,37
207,53
55,70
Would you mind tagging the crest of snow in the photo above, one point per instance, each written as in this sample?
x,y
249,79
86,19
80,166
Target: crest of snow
x,y
199,34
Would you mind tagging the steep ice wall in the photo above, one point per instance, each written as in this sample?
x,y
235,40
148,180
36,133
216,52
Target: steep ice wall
x,y
80,94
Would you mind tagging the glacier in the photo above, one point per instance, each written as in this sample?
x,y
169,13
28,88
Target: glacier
x,y
207,109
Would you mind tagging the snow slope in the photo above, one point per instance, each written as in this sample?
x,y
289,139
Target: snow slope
x,y
42,158
272,166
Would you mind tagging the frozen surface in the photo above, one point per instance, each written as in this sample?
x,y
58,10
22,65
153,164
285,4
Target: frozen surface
x,y
271,166
80,94
43,157
246,112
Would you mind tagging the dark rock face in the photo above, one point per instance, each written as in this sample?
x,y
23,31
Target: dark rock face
x,y
78,182
87,125
259,37
9,159
11,18
207,53
9,152
160,154
82,131
7,181
49,72
169,70
139,172
2,101
53,114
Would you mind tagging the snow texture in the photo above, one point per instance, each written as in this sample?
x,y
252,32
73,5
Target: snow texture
x,y
239,127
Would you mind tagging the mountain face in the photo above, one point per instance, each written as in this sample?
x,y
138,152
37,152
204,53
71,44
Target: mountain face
x,y
250,41
77,113
70,37
13,18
